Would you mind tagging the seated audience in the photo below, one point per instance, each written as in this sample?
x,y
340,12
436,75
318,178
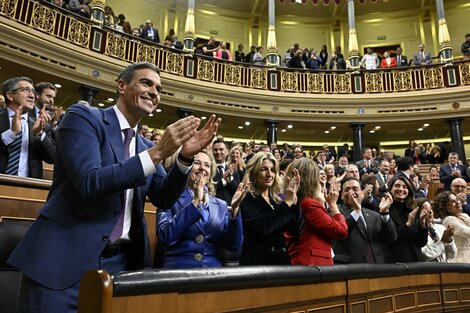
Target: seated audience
x,y
410,226
449,210
368,230
198,225
265,217
313,246
441,246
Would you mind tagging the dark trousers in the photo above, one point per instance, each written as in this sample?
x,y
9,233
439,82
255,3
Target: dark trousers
x,y
37,298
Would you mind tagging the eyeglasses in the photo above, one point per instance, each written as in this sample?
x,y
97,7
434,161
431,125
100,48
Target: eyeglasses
x,y
26,90
459,186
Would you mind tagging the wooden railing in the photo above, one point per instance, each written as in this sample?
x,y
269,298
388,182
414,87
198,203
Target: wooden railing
x,y
356,288
82,32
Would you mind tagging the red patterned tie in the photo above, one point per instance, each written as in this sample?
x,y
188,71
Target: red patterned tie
x,y
117,231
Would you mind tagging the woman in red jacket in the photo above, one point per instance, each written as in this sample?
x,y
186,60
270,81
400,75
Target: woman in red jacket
x,y
388,61
313,245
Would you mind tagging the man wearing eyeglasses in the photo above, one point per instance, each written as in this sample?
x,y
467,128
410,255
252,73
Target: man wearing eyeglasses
x,y
24,145
459,188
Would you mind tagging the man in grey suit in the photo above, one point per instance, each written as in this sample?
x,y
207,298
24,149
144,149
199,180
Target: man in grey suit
x,y
368,230
422,57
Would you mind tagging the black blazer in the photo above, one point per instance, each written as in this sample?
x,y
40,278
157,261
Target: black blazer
x,y
226,192
445,175
156,37
263,230
37,153
403,61
410,240
354,248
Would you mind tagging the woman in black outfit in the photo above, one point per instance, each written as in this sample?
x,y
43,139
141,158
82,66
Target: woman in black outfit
x,y
265,217
409,223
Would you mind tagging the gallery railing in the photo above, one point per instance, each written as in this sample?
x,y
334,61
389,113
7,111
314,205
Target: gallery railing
x,y
76,30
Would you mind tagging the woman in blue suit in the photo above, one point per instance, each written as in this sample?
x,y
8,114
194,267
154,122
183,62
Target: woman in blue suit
x,y
199,225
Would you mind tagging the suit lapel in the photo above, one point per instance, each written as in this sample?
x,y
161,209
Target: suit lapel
x,y
114,133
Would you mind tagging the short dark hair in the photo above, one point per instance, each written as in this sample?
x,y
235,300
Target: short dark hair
x,y
127,74
10,84
40,87
220,141
404,163
349,178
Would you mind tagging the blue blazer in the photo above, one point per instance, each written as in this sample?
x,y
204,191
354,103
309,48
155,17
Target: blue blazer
x,y
84,202
192,242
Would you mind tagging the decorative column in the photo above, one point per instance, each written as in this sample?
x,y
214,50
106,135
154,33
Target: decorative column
x,y
182,113
88,93
189,28
97,12
353,46
358,140
272,132
456,137
444,38
271,44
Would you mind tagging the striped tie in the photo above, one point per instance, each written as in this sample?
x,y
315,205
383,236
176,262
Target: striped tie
x,y
14,151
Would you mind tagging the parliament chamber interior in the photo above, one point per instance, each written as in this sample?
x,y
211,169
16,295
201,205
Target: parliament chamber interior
x,y
355,96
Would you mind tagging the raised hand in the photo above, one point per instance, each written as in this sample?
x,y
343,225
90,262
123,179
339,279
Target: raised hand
x,y
447,234
199,140
333,195
238,197
291,186
16,120
197,185
385,202
174,137
41,121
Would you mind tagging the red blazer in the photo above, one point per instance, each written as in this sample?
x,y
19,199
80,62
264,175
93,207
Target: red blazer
x,y
393,62
313,245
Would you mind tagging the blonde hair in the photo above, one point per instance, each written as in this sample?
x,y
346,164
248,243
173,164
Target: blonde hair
x,y
229,159
309,177
252,169
210,181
